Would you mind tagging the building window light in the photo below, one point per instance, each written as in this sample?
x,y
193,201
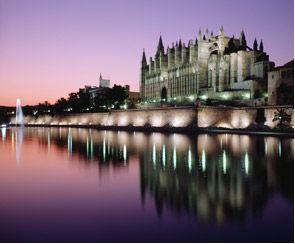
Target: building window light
x,y
203,97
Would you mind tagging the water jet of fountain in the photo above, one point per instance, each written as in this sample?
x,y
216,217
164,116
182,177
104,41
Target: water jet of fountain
x,y
19,119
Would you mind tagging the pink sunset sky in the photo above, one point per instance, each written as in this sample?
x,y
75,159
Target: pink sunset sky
x,y
49,48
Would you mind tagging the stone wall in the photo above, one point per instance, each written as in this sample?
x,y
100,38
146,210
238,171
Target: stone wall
x,y
222,117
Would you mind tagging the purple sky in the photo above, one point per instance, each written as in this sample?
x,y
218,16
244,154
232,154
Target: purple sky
x,y
49,48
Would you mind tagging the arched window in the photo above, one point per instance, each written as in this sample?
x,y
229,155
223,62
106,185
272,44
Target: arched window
x,y
164,94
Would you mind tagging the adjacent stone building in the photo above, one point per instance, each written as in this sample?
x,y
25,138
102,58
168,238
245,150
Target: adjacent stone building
x,y
281,85
212,66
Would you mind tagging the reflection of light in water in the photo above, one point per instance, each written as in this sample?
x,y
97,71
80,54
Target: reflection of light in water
x,y
189,156
246,164
104,148
18,143
12,140
48,140
154,154
91,147
203,160
224,162
87,147
265,145
164,155
174,158
280,149
70,142
124,153
221,143
3,132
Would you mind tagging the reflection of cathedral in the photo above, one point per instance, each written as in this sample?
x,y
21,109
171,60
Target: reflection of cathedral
x,y
219,182
211,177
213,66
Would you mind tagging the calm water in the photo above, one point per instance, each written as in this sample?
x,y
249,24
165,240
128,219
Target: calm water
x,y
83,185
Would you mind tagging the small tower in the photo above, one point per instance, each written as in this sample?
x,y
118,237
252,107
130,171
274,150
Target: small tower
x,y
160,48
211,35
261,46
207,34
255,45
243,42
143,60
200,35
180,44
100,78
221,31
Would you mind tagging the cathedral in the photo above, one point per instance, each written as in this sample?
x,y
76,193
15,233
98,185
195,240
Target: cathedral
x,y
211,67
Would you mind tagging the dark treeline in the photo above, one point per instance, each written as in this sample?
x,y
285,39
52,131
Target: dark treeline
x,y
81,101
76,102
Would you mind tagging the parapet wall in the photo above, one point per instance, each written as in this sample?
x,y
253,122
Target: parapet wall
x,y
203,117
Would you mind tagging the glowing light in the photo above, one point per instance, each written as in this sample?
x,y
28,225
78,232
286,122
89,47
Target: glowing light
x,y
246,164
246,95
124,153
224,162
280,149
265,146
104,149
203,97
178,121
189,159
87,147
48,140
174,158
164,155
91,147
225,96
156,121
191,98
123,120
154,155
3,132
203,160
70,143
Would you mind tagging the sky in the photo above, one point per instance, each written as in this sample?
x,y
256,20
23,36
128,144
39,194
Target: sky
x,y
49,48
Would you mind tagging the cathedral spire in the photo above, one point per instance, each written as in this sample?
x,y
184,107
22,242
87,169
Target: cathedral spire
x,y
221,31
180,43
100,77
243,42
160,47
207,34
261,46
200,35
143,60
255,45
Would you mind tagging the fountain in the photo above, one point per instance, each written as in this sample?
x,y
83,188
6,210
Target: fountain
x,y
19,118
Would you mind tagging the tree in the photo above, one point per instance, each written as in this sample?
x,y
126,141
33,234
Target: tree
x,y
282,117
118,94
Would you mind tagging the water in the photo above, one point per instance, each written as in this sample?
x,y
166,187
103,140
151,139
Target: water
x,y
19,119
80,185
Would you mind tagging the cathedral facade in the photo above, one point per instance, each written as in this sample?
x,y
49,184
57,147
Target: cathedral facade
x,y
212,66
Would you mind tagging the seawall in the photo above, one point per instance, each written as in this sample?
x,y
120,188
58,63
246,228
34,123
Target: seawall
x,y
179,117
